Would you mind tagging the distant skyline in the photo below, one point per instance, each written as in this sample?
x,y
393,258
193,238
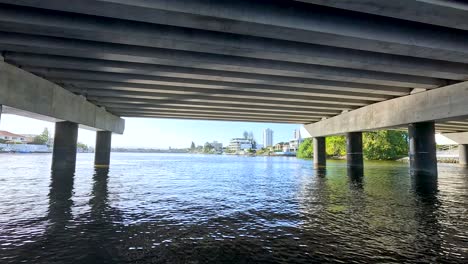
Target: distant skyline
x,y
165,133
162,133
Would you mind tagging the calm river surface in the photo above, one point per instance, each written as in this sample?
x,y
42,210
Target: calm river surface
x,y
163,208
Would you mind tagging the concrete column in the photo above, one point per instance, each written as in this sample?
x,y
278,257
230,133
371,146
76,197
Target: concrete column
x,y
103,149
463,154
64,155
354,150
1,108
320,155
422,149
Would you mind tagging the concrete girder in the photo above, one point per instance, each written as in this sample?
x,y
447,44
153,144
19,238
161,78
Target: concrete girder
x,y
184,92
286,20
57,24
89,77
190,74
302,119
122,108
459,137
216,118
444,13
457,122
215,111
25,91
87,49
438,104
453,126
209,100
123,103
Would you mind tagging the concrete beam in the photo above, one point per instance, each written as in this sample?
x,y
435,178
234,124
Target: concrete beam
x,y
233,102
438,104
296,117
460,137
222,117
193,106
58,24
211,118
118,52
25,91
92,87
288,20
184,73
90,77
226,95
444,13
222,111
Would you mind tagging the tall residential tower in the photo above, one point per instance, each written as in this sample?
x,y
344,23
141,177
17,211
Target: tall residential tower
x,y
267,138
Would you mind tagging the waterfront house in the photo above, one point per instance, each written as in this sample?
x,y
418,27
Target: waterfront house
x,y
9,137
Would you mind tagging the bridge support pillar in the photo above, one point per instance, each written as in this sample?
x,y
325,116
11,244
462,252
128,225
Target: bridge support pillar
x,y
320,155
354,156
103,149
65,140
422,149
463,154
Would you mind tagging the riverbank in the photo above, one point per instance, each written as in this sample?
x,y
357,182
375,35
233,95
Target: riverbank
x,y
453,159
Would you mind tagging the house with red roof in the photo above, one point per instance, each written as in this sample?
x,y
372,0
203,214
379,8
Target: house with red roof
x,y
11,137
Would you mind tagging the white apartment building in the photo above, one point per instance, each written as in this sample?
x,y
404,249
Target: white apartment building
x,y
239,144
296,141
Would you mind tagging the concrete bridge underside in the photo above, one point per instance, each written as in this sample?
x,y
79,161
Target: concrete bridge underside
x,y
310,62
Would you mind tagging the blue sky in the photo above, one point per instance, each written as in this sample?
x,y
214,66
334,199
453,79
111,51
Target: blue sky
x,y
162,133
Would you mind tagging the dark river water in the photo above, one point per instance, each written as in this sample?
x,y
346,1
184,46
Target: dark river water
x,y
161,208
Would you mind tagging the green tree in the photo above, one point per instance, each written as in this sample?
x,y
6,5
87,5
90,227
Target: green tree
x,y
207,148
192,146
385,145
336,146
306,149
82,146
43,138
246,135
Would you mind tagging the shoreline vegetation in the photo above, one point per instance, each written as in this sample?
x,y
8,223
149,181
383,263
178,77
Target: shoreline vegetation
x,y
380,145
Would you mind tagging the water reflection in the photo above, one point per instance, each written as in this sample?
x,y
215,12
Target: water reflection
x,y
356,176
60,199
212,209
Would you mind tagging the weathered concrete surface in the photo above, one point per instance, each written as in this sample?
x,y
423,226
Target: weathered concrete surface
x,y
443,103
84,27
65,144
460,138
320,155
288,20
118,52
193,75
422,149
463,155
437,12
102,149
354,155
25,91
287,61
